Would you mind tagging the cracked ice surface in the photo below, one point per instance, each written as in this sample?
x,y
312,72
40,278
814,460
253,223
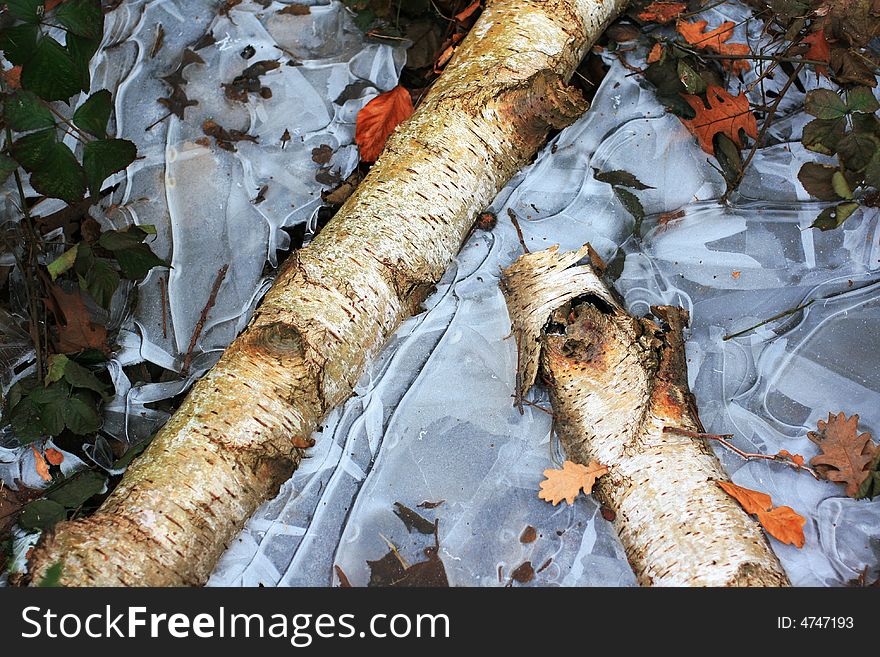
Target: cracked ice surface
x,y
432,418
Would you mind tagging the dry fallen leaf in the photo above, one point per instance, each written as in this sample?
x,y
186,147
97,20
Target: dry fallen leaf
x,y
797,459
716,41
565,484
819,50
782,523
75,330
726,114
655,54
41,466
662,12
378,119
54,456
846,455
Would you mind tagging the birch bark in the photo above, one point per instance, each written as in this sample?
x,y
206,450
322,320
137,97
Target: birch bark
x,y
241,431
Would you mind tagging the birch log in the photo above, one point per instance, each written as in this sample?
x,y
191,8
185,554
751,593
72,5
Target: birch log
x,y
241,431
616,382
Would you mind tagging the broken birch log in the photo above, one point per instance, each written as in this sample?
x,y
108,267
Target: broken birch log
x,y
241,431
616,382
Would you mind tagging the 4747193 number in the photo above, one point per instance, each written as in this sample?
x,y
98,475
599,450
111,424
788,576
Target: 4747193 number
x,y
814,623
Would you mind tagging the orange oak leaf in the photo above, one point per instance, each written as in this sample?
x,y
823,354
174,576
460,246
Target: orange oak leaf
x,y
378,119
54,456
41,466
726,114
655,54
782,523
467,12
662,12
716,41
13,77
565,484
846,455
819,50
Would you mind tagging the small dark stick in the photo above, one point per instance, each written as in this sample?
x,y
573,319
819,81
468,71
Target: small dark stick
x,y
164,308
519,234
212,299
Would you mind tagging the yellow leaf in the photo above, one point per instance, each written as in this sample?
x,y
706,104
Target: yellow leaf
x,y
565,484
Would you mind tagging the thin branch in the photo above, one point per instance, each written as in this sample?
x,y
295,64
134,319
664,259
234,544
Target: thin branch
x,y
515,221
200,325
724,440
784,313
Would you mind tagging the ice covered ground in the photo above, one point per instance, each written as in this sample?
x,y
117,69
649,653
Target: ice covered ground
x,y
432,419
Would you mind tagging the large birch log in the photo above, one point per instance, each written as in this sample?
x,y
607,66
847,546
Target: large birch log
x,y
241,431
616,383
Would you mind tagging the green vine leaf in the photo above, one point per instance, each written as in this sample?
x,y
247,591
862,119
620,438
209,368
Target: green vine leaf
x,y
81,50
82,17
51,73
856,149
872,171
41,514
840,185
73,491
60,175
94,114
96,276
30,11
833,217
7,166
824,104
817,180
18,43
823,135
63,262
23,111
105,157
861,99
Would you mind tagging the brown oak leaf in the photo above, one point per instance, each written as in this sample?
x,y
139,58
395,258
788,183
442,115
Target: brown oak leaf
x,y
566,484
782,523
74,328
846,455
662,12
726,114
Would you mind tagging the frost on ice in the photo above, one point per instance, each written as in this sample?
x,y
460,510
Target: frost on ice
x,y
432,419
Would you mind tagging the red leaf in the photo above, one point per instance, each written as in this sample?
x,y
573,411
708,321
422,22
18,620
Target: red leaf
x,y
378,119
819,50
662,12
41,466
54,456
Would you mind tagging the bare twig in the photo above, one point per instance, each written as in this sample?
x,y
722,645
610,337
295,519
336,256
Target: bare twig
x,y
515,221
784,313
724,440
200,325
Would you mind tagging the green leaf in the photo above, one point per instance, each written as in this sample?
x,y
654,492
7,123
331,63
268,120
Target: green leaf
x,y
24,111
30,11
619,177
82,377
52,418
100,280
19,43
856,149
75,490
833,217
63,262
105,157
41,514
93,115
137,261
824,104
57,363
60,175
816,179
631,202
51,73
49,394
82,17
870,487
861,99
52,578
25,420
872,171
840,185
34,149
80,415
691,80
7,166
823,136
81,50
116,240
